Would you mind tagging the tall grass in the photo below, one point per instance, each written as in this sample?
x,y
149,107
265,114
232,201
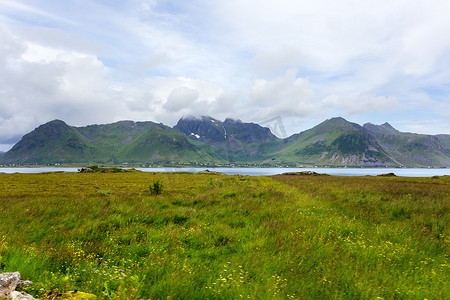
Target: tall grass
x,y
227,237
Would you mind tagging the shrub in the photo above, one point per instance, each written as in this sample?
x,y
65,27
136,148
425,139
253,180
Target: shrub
x,y
105,192
156,188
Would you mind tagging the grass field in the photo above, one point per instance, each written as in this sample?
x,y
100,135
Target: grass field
x,y
227,237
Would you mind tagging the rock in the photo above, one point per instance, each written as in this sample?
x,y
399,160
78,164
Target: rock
x,y
86,170
209,172
291,173
23,283
311,173
8,283
20,296
387,175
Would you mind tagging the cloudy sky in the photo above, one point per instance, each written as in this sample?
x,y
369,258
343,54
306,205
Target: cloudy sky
x,y
300,61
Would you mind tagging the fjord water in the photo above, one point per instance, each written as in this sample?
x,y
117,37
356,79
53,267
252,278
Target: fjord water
x,y
408,172
331,171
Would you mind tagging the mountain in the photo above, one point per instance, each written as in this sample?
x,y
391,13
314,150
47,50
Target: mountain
x,y
110,137
338,142
444,139
163,143
53,142
334,142
411,149
205,140
124,141
238,141
383,129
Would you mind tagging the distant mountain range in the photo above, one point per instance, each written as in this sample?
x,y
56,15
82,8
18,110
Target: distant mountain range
x,y
207,141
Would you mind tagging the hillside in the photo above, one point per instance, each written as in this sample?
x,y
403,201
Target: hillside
x,y
445,140
161,143
53,142
337,142
411,149
334,142
110,137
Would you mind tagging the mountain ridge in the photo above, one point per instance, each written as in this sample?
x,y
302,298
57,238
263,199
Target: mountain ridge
x,y
335,141
206,140
104,144
238,140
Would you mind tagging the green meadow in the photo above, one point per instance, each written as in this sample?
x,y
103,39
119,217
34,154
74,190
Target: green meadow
x,y
210,236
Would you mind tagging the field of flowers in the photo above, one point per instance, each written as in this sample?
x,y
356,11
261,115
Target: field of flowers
x,y
209,236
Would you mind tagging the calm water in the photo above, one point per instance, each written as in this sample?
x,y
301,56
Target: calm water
x,y
265,171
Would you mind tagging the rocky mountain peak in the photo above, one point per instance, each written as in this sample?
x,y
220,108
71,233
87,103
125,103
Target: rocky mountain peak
x,y
232,121
202,129
384,128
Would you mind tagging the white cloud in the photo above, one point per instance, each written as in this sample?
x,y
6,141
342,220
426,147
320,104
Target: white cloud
x,y
286,95
256,59
352,104
166,99
40,53
345,44
15,6
5,147
424,126
275,61
180,98
70,86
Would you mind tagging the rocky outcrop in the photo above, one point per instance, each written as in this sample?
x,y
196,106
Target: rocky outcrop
x,y
8,284
387,175
16,295
304,173
86,170
10,281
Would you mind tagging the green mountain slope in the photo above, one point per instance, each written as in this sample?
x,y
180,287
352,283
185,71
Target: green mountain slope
x,y
161,143
110,137
53,142
445,140
334,142
125,141
411,149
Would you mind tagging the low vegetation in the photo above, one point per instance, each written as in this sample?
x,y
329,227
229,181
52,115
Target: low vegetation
x,y
156,188
97,169
210,236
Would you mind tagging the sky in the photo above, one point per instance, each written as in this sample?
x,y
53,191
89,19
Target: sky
x,y
295,63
